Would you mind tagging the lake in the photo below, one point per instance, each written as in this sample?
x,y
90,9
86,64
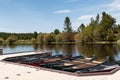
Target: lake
x,y
101,50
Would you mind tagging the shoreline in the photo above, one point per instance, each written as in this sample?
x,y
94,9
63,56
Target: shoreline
x,y
40,43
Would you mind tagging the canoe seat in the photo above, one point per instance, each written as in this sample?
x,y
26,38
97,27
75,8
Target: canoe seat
x,y
67,64
98,62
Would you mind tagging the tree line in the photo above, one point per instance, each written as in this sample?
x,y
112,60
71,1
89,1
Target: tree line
x,y
100,29
104,29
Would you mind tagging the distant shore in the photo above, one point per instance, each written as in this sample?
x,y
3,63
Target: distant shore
x,y
30,43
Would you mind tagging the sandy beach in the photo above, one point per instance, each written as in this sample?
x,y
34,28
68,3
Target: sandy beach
x,y
11,71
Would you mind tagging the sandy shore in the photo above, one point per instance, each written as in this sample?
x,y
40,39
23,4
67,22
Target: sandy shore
x,y
12,71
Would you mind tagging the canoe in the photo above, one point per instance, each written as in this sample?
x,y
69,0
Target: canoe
x,y
38,61
33,59
46,60
27,57
52,57
99,69
50,64
58,59
87,65
73,63
118,62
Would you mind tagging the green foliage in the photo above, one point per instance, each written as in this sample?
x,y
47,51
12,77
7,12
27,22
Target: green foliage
x,y
35,35
49,38
107,21
97,19
56,31
67,35
40,37
58,38
12,38
67,25
33,40
104,30
88,34
79,37
107,24
110,35
1,40
80,28
97,33
21,36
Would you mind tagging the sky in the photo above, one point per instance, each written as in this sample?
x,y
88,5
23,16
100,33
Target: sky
x,y
24,16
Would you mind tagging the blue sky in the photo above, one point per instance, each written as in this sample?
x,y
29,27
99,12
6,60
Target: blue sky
x,y
47,15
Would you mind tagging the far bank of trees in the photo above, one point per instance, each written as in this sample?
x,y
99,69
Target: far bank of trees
x,y
99,29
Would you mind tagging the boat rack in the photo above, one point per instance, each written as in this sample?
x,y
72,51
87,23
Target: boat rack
x,y
66,64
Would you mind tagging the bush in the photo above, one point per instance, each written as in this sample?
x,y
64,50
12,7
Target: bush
x,y
12,38
1,40
49,38
33,40
79,37
58,38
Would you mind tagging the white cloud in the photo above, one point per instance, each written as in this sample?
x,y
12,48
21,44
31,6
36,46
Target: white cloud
x,y
63,11
76,23
115,5
84,17
116,15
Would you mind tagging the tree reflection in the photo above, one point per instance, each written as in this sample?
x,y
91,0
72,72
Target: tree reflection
x,y
43,47
68,49
35,46
101,50
58,49
12,46
117,55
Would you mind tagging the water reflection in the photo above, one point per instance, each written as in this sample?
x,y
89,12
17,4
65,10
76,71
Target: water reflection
x,y
16,48
101,50
68,49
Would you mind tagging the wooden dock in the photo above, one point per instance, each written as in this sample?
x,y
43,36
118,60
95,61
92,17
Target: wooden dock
x,y
15,71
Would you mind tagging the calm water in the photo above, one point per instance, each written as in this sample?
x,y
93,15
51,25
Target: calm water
x,y
101,50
